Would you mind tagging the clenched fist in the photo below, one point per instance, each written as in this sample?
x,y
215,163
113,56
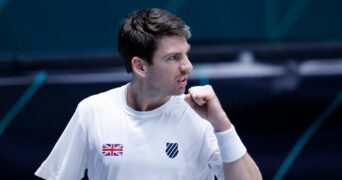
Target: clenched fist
x,y
205,102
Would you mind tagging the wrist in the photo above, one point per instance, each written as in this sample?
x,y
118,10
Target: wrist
x,y
230,145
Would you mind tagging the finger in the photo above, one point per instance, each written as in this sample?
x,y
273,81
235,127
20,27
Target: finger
x,y
189,100
197,97
200,101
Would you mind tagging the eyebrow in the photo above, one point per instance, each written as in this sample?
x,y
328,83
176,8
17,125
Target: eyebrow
x,y
177,53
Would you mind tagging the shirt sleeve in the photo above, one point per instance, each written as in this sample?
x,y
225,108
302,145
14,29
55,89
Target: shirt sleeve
x,y
214,160
67,160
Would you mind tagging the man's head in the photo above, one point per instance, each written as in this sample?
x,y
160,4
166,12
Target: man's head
x,y
141,31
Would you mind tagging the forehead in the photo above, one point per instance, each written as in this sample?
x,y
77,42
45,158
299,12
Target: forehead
x,y
172,45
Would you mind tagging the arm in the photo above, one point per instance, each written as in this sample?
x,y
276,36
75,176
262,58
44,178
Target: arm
x,y
205,102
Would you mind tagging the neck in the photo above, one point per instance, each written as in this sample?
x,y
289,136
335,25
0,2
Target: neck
x,y
139,98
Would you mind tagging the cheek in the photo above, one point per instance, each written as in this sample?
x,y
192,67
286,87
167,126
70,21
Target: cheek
x,y
164,74
159,76
163,78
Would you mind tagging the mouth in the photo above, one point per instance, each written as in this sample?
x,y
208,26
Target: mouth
x,y
183,81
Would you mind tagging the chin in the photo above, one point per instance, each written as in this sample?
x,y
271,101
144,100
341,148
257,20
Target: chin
x,y
180,92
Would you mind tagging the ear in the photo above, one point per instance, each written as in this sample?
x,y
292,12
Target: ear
x,y
139,66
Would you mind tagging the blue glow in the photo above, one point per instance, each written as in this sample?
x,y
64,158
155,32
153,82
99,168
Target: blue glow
x,y
23,100
203,77
3,4
175,5
303,140
281,28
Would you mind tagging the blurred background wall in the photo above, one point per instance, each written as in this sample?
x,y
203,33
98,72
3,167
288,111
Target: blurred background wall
x,y
276,66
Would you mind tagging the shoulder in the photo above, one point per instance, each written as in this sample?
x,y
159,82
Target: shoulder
x,y
96,107
100,100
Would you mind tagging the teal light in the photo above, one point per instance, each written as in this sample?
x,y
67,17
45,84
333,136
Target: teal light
x,y
278,29
23,100
3,4
203,77
175,5
303,140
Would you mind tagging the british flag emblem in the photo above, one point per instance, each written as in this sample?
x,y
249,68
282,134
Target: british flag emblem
x,y
112,149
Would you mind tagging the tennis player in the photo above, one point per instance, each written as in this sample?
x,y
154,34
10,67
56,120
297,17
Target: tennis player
x,y
148,129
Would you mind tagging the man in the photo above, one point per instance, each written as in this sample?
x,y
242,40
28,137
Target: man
x,y
148,129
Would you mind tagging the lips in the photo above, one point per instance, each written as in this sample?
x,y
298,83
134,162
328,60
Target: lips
x,y
182,82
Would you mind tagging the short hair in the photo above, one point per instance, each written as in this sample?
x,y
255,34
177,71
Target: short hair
x,y
140,31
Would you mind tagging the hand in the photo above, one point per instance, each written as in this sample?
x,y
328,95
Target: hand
x,y
205,102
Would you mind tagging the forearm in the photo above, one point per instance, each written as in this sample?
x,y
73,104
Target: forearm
x,y
244,168
237,163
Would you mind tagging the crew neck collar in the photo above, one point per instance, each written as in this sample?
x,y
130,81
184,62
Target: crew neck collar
x,y
153,112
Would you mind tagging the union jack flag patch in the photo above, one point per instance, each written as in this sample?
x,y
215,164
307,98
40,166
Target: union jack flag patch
x,y
112,149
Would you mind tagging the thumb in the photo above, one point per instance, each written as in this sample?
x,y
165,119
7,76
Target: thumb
x,y
189,100
192,103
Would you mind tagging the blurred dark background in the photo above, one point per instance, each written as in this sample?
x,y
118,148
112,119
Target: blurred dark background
x,y
276,66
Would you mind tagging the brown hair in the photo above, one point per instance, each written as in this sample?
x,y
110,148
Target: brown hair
x,y
141,30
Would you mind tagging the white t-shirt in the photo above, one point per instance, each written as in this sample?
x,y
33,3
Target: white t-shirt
x,y
113,141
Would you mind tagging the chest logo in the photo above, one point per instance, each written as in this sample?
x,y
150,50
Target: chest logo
x,y
112,149
171,149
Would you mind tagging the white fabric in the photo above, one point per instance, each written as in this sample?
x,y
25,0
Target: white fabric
x,y
106,119
231,146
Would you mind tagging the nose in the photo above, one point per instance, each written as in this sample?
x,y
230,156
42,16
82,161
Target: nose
x,y
186,66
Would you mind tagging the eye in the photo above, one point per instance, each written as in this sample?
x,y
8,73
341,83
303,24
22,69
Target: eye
x,y
173,58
